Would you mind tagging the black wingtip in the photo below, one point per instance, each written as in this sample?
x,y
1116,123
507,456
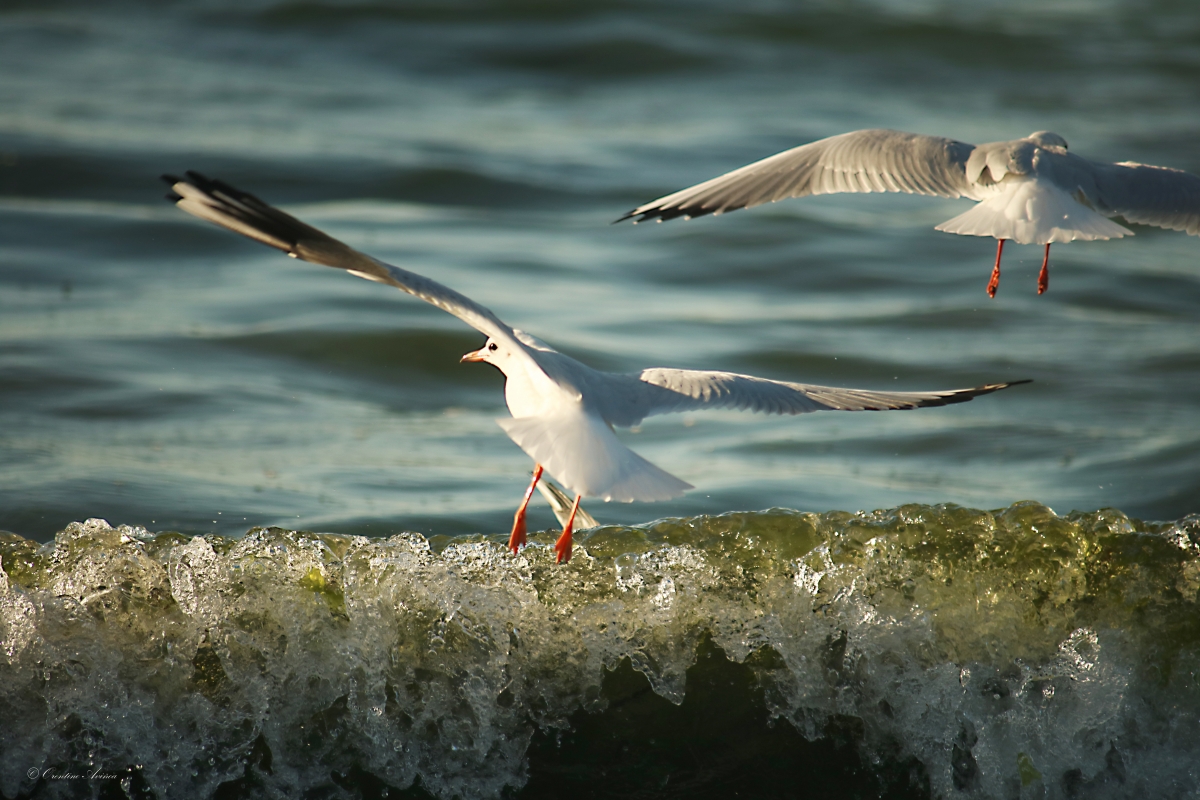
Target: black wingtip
x,y
206,184
988,388
665,214
965,395
995,387
171,180
173,196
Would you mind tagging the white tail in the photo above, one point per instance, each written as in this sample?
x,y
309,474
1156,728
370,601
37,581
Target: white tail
x,y
1034,212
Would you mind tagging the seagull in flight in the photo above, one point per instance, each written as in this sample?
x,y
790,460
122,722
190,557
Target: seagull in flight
x,y
563,412
1029,190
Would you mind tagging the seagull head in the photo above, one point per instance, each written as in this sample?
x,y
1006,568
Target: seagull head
x,y
493,352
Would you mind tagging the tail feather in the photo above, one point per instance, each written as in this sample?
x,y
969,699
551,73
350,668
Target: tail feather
x,y
1034,212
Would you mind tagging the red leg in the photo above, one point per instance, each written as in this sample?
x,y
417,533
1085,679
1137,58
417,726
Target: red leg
x,y
563,546
517,539
994,283
1044,275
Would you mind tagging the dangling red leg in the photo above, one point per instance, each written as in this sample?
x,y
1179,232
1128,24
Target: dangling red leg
x,y
994,283
1044,275
563,546
517,539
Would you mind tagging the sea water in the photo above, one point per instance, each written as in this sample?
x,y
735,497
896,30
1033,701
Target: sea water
x,y
167,376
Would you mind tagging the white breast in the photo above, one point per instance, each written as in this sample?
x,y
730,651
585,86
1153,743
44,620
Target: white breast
x,y
528,392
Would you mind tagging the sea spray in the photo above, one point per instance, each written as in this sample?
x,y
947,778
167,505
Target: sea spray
x,y
1015,653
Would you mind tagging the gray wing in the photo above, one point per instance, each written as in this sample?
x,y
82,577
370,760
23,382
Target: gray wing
x,y
631,398
1158,196
861,161
243,213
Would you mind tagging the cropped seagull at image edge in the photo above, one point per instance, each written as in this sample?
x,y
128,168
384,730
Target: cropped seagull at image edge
x,y
563,411
1029,190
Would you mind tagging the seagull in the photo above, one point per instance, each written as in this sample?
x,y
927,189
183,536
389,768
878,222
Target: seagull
x,y
1029,190
563,412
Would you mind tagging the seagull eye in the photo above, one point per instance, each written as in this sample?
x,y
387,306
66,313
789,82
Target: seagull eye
x,y
492,346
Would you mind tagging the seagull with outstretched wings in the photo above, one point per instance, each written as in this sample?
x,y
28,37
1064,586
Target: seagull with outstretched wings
x,y
563,412
1030,190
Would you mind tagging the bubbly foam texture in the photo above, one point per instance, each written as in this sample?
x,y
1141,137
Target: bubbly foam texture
x,y
1015,653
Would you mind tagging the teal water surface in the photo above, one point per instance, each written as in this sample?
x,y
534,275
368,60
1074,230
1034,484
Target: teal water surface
x,y
161,373
164,375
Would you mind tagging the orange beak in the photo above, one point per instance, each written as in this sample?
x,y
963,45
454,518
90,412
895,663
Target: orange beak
x,y
475,355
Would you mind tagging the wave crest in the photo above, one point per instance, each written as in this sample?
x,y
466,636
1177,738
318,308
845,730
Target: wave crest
x,y
997,649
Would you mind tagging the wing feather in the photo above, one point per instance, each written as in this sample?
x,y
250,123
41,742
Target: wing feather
x,y
1158,196
241,212
861,161
561,502
632,398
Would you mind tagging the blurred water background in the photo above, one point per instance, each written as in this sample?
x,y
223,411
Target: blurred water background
x,y
160,373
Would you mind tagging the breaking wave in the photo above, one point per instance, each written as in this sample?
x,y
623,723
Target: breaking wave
x,y
919,651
